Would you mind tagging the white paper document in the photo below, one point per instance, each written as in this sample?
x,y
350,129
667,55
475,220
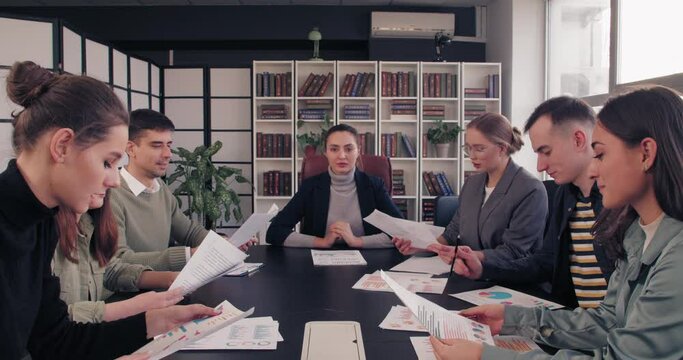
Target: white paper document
x,y
423,348
502,295
243,269
419,264
337,257
402,319
422,283
259,333
254,224
178,338
440,322
213,257
421,235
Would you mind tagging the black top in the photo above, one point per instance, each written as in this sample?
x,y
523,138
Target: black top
x,y
311,204
33,320
551,263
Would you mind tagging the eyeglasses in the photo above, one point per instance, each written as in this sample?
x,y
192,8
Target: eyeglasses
x,y
476,149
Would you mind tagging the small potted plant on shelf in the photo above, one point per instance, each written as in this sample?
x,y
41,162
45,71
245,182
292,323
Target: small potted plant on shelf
x,y
312,140
442,136
207,186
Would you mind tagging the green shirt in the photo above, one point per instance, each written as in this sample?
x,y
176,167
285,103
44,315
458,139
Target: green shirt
x,y
148,223
85,285
640,317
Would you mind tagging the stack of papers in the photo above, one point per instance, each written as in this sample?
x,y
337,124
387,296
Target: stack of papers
x,y
213,258
259,333
337,257
502,295
423,348
438,321
186,334
419,264
243,269
422,283
420,234
402,319
254,224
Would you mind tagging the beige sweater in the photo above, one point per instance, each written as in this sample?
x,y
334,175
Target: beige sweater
x,y
149,223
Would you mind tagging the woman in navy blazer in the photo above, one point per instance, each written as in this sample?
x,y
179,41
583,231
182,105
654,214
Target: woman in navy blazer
x,y
331,206
503,208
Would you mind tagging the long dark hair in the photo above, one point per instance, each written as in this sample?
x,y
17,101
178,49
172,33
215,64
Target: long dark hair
x,y
657,113
104,238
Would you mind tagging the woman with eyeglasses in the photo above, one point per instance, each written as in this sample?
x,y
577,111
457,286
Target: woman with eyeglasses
x,y
502,209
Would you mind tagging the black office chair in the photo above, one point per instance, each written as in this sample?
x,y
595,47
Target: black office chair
x,y
444,209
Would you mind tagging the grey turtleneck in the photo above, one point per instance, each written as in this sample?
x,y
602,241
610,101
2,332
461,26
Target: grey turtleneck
x,y
344,207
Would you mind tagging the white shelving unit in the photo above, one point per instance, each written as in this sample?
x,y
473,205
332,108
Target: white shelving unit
x,y
303,70
476,75
399,117
367,127
263,164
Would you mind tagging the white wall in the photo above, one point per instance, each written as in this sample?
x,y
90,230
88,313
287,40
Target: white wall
x,y
516,38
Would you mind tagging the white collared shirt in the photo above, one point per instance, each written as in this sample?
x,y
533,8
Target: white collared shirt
x,y
136,186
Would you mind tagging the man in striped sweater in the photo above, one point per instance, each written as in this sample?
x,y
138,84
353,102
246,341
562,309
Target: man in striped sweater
x,y
575,265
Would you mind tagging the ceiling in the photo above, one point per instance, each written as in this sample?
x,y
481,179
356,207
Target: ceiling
x,y
430,3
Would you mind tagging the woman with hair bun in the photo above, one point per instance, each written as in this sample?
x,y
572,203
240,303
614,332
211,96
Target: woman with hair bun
x,y
68,139
502,209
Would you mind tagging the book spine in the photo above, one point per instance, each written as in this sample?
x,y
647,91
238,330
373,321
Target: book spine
x,y
307,83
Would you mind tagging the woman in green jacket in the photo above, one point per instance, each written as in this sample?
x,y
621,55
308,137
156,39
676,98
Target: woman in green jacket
x,y
88,274
638,145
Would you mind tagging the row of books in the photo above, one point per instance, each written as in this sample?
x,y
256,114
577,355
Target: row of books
x,y
273,145
403,110
398,84
428,206
277,183
273,111
397,145
366,143
357,112
316,85
439,85
402,205
274,84
357,85
436,183
473,110
312,114
433,112
397,186
491,90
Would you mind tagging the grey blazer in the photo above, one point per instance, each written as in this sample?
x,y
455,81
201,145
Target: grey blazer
x,y
510,224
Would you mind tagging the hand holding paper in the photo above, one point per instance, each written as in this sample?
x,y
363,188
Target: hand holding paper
x,y
254,224
213,257
440,322
420,235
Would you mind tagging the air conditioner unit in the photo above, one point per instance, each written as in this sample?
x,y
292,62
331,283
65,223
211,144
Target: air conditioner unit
x,y
411,25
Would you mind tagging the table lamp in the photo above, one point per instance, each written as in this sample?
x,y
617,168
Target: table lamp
x,y
315,36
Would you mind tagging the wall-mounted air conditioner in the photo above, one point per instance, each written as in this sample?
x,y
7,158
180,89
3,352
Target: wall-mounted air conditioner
x,y
411,25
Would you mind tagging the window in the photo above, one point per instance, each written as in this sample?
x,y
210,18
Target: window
x,y
649,39
578,47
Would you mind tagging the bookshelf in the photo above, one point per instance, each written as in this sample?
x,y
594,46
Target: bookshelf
x,y
439,99
357,100
484,78
273,131
398,129
405,105
314,87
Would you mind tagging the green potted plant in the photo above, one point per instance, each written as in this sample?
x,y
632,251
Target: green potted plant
x,y
442,136
312,140
208,187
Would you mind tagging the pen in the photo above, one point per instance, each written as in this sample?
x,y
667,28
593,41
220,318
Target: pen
x,y
455,255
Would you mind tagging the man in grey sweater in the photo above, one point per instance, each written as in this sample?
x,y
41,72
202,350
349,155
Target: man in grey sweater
x,y
148,216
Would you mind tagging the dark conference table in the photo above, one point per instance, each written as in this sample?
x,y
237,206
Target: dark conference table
x,y
293,291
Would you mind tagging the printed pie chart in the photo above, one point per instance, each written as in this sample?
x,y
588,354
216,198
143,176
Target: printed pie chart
x,y
496,295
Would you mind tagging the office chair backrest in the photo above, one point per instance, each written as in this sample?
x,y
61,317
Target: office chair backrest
x,y
379,166
444,209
